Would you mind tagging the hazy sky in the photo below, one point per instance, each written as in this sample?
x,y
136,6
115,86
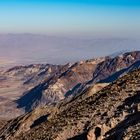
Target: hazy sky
x,y
88,17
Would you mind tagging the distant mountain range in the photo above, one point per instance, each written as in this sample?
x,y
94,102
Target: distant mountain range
x,y
89,100
35,48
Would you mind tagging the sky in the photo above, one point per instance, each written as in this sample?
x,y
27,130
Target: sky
x,y
76,17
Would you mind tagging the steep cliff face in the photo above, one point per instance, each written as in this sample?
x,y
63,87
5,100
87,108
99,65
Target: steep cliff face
x,y
112,113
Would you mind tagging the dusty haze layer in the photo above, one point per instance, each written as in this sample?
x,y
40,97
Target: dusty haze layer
x,y
32,48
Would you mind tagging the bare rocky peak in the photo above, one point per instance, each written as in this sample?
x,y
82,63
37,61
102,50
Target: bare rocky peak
x,y
110,114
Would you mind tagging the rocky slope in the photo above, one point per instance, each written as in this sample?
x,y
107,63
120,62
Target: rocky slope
x,y
37,85
112,114
78,77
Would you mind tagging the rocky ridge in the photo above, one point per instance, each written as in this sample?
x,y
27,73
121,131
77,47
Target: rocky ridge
x,y
112,113
80,75
43,84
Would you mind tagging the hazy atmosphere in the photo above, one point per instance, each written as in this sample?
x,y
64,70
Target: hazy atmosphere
x,y
60,31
